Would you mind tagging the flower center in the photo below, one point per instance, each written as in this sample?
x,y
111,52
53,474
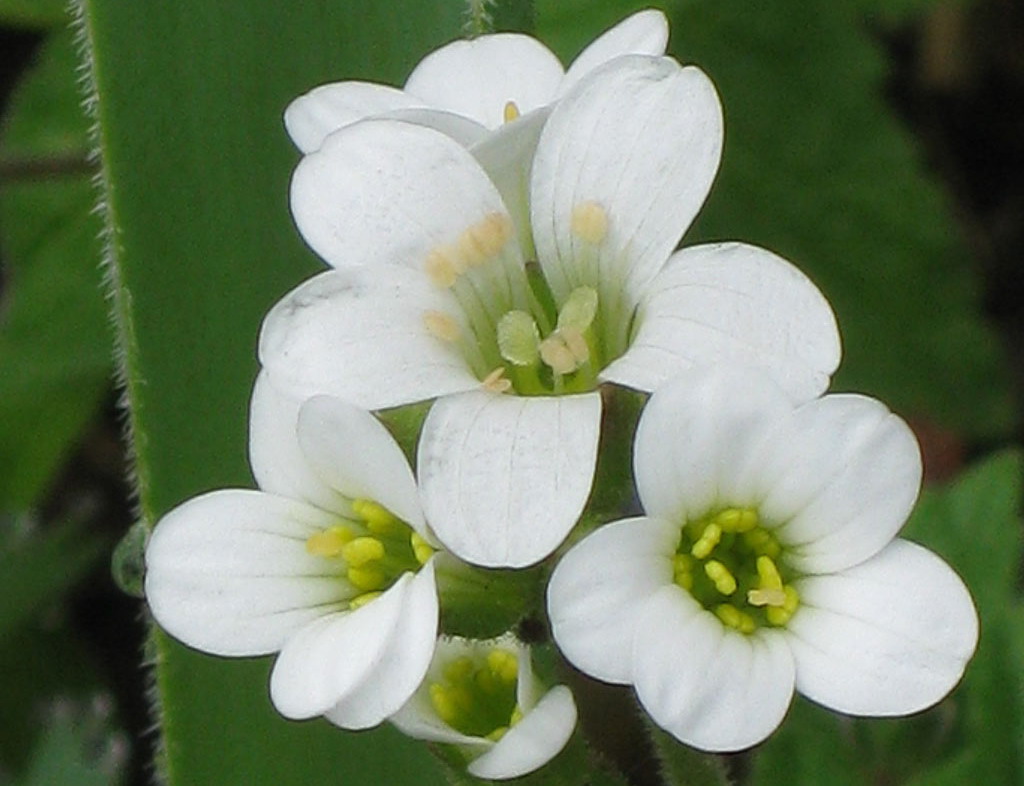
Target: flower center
x,y
375,548
731,565
510,330
477,696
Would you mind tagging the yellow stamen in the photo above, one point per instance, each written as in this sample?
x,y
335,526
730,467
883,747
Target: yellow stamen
x,y
497,734
589,222
361,600
495,382
329,542
367,578
708,540
737,519
511,111
723,580
768,574
441,268
422,550
359,551
762,542
379,520
780,615
492,233
503,663
733,618
441,326
441,699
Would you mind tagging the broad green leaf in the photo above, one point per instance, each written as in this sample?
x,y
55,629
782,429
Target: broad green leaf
x,y
188,97
55,346
816,168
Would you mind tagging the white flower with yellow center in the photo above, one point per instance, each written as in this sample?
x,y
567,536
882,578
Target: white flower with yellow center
x,y
440,291
482,698
329,563
766,561
471,87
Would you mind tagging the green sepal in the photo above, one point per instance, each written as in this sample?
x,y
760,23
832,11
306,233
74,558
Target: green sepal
x,y
681,765
482,603
128,562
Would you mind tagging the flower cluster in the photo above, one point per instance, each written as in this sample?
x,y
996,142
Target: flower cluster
x,y
501,238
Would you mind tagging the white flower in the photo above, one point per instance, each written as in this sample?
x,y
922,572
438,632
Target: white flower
x,y
435,294
328,563
483,698
481,82
766,561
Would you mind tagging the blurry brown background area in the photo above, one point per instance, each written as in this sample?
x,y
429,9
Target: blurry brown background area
x,y
956,81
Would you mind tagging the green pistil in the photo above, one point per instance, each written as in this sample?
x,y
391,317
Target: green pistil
x,y
731,565
477,696
374,549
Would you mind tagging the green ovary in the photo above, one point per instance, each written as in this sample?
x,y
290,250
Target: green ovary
x,y
477,696
732,566
374,549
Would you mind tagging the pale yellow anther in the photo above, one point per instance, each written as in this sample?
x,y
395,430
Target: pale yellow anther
x,y
361,600
329,542
766,597
511,111
367,578
589,222
422,550
469,249
359,551
709,538
379,520
495,382
720,576
780,615
762,542
442,326
441,268
576,344
768,573
504,664
748,520
442,702
492,232
555,353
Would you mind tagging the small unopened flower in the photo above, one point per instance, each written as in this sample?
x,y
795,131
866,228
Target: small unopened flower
x,y
446,286
330,563
468,88
482,699
766,561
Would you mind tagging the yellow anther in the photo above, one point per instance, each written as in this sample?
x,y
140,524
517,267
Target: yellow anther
x,y
492,233
441,699
723,580
682,570
504,664
768,574
766,597
748,520
422,550
576,344
737,519
469,249
329,542
359,551
495,382
733,618
511,111
709,538
589,222
555,352
780,615
458,669
441,268
361,600
762,542
379,520
497,734
367,578
441,326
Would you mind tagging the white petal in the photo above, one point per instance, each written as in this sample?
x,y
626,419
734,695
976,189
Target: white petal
x,y
461,129
359,334
840,474
532,742
641,138
695,439
890,636
711,687
598,588
334,656
402,665
643,33
507,156
388,192
228,572
504,478
735,303
478,78
277,463
353,452
312,117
